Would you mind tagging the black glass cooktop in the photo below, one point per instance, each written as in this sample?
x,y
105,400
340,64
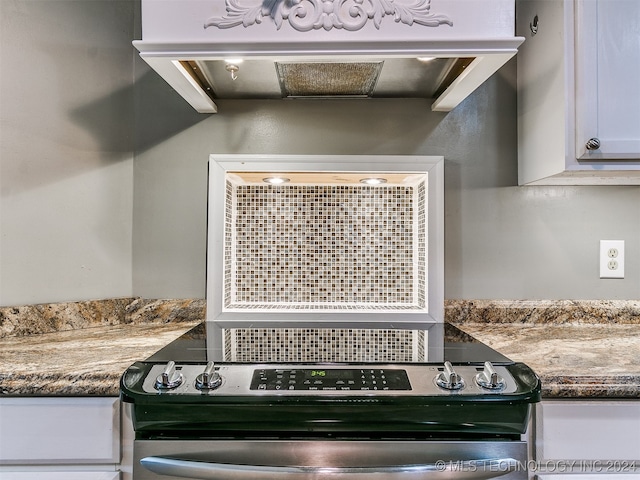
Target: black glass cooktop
x,y
446,343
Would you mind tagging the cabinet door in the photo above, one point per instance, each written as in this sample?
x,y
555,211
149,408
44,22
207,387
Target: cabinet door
x,y
608,79
589,431
59,431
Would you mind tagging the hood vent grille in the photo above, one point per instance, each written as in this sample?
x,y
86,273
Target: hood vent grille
x,y
328,79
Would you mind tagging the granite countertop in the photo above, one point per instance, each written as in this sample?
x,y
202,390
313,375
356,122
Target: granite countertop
x,y
575,354
79,362
585,349
571,360
83,348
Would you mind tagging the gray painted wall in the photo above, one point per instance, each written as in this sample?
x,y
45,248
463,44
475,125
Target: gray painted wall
x,y
80,218
502,241
66,171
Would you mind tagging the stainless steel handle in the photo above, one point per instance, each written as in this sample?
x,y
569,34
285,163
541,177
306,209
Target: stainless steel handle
x,y
480,469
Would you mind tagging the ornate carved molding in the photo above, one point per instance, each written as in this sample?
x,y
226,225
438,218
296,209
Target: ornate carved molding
x,y
306,15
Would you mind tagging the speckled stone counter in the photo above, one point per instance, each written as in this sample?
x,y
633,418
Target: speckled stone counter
x,y
82,348
579,349
583,349
79,362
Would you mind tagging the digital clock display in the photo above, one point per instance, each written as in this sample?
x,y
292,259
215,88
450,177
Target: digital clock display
x,y
329,374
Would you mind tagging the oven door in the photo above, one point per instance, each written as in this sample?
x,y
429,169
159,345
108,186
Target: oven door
x,y
329,459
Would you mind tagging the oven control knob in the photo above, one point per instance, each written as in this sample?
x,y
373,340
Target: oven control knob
x,y
170,378
209,379
489,378
449,379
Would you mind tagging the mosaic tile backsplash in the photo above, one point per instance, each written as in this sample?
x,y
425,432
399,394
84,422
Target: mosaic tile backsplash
x,y
325,247
323,345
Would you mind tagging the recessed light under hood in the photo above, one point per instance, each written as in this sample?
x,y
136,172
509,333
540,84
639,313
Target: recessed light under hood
x,y
252,49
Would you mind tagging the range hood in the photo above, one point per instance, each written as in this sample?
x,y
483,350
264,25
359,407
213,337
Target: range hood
x,y
259,49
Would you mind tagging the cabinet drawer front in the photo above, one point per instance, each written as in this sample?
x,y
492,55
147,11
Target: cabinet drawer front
x,y
44,475
59,430
583,430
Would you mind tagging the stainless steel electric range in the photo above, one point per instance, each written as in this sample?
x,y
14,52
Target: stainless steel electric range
x,y
460,414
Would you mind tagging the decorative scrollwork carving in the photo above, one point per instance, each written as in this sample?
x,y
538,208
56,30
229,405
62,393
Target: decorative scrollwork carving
x,y
306,15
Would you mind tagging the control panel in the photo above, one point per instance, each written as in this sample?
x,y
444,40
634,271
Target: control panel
x,y
330,379
333,379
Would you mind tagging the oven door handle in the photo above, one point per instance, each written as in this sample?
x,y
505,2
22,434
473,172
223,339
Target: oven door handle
x,y
480,469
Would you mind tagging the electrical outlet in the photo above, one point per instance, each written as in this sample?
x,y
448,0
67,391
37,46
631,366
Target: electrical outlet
x,y
611,258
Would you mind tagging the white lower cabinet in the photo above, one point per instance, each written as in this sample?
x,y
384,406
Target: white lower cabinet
x,y
587,440
55,438
64,475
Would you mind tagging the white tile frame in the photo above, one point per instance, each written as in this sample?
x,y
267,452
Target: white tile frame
x,y
220,164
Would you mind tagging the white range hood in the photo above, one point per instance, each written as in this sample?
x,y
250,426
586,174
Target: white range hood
x,y
436,49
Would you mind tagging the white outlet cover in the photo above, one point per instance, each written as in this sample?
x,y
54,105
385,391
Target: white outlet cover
x,y
611,258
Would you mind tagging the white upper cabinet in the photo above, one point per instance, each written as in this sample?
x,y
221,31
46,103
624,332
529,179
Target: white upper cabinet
x,y
579,92
608,79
